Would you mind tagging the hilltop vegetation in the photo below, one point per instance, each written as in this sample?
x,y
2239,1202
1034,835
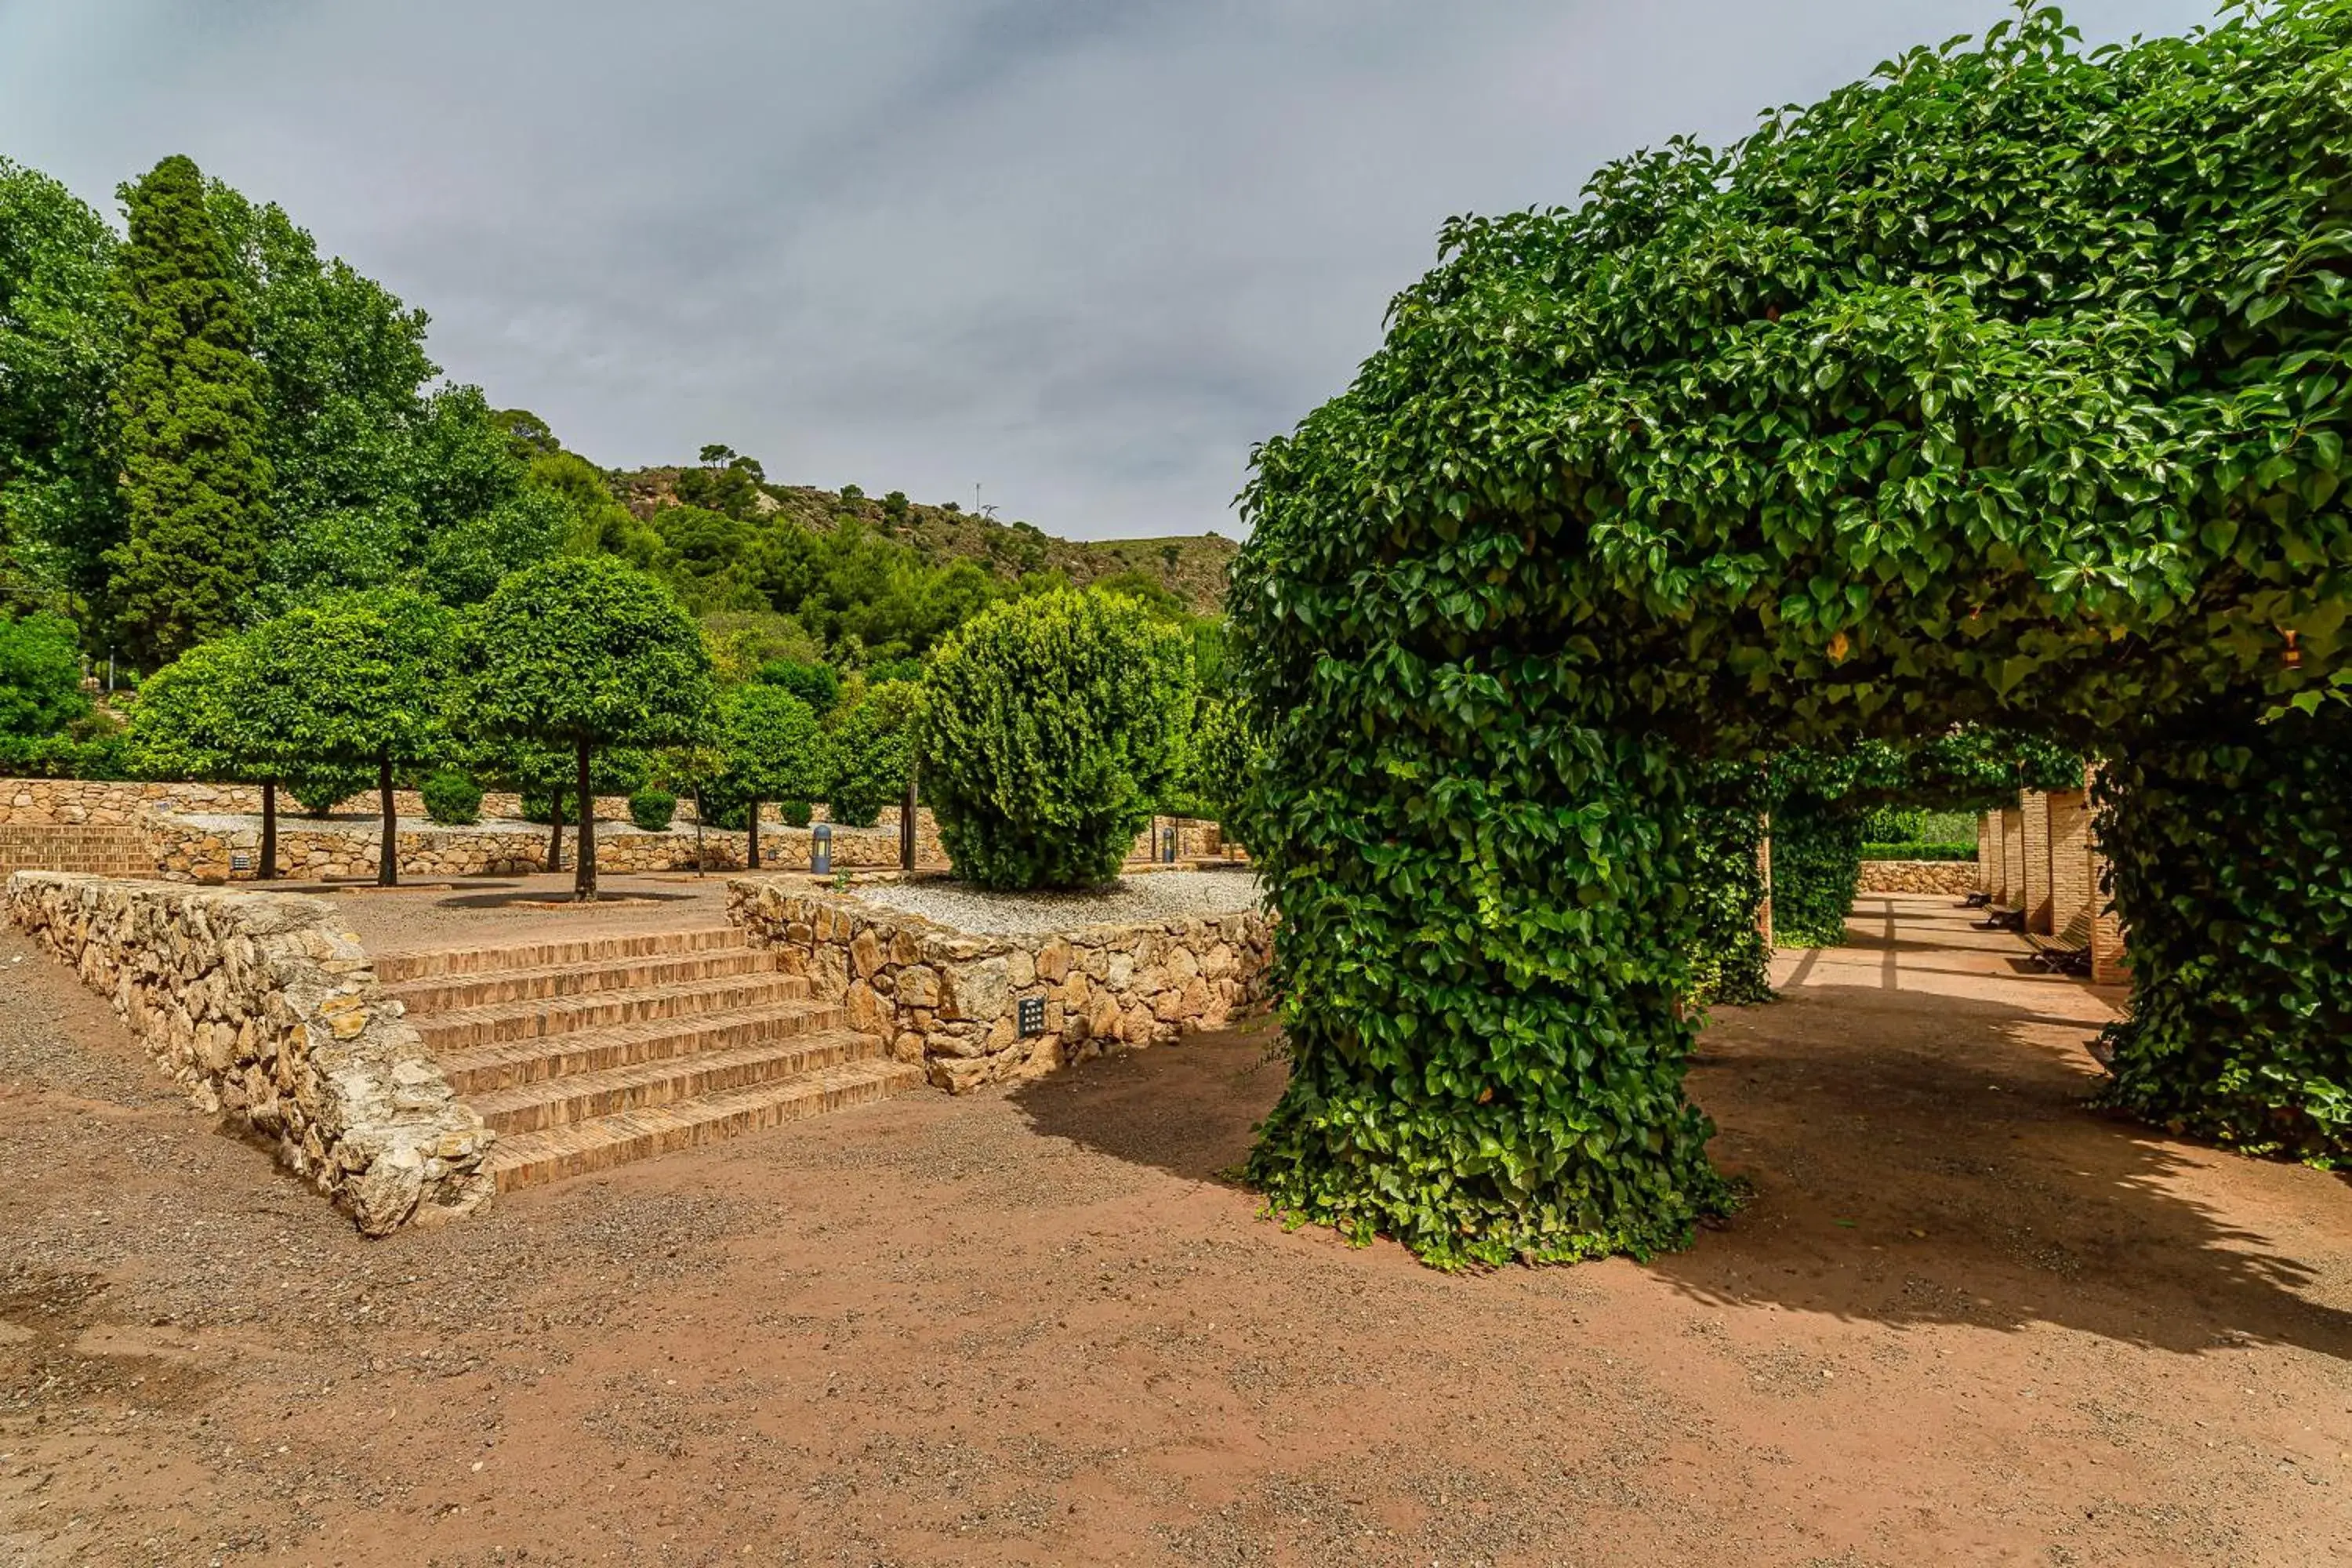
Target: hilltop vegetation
x,y
1193,567
206,422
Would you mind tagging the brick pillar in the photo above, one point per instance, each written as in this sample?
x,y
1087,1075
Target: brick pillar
x,y
2072,888
1988,854
2034,806
2012,859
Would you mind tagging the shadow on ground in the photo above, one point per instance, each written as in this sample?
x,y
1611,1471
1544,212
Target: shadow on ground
x,y
1914,1159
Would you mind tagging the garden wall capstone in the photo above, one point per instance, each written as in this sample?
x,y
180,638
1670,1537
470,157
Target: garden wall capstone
x,y
1955,878
950,999
271,1017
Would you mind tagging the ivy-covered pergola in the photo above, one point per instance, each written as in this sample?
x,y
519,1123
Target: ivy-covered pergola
x,y
2006,389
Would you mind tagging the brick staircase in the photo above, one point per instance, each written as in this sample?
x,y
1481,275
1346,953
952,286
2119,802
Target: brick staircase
x,y
75,846
592,1052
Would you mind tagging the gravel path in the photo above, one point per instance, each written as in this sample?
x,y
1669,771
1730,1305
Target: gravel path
x,y
1964,1320
1131,901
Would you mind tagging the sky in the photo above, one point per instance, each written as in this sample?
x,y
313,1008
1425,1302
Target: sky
x,y
1080,253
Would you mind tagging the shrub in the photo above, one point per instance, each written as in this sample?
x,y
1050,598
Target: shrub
x,y
40,676
653,809
818,685
1050,727
452,799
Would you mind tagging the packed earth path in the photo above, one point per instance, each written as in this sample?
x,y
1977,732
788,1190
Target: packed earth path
x,y
1964,1318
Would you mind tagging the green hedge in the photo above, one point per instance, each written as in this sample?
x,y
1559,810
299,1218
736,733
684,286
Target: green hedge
x,y
1918,851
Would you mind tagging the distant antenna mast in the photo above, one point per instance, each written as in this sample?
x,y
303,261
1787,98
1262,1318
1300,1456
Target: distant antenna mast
x,y
975,495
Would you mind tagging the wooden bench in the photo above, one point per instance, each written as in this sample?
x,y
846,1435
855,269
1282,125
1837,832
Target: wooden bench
x,y
2068,952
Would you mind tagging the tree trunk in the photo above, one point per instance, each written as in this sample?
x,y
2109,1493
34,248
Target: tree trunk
x,y
751,850
907,825
583,882
387,863
700,865
268,870
555,830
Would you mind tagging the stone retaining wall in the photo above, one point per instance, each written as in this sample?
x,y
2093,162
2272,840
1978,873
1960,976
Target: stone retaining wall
x,y
270,1016
950,1001
183,825
1955,877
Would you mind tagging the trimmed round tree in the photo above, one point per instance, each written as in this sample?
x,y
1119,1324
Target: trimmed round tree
x,y
772,749
1050,725
582,654
874,753
354,680
195,719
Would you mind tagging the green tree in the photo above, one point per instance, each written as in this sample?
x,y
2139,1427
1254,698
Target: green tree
x,y
1222,754
873,753
774,750
200,717
40,675
1050,728
190,404
584,654
817,684
60,338
355,680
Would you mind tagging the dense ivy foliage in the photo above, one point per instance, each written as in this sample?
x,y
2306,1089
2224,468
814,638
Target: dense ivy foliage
x,y
1729,962
1816,868
1050,728
2004,388
2231,865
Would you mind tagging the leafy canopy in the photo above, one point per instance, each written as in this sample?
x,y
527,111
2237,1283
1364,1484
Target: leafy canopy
x,y
2003,388
585,651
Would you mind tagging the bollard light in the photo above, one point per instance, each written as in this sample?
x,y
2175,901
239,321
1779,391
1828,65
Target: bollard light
x,y
821,848
1167,845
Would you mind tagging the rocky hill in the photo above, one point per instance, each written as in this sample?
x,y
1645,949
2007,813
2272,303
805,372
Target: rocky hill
x,y
1195,568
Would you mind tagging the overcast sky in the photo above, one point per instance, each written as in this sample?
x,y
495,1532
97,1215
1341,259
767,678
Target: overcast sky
x,y
1082,252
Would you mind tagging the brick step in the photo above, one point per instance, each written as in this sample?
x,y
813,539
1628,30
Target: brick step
x,y
583,1097
511,1064
74,863
529,1159
449,992
452,1031
424,963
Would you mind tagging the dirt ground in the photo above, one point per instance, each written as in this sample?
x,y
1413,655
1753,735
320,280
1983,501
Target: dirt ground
x,y
1965,1320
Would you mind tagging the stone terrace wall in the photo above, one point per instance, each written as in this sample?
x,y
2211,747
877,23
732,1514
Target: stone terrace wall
x,y
950,1001
181,823
1956,877
271,1017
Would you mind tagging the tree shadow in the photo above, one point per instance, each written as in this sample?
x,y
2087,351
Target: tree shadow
x,y
1187,1108
1911,1160
1921,1159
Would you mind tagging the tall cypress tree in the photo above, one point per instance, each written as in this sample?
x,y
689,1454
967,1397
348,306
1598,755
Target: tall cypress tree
x,y
189,403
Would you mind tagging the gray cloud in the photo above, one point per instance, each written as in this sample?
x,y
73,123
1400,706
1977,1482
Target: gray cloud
x,y
1082,251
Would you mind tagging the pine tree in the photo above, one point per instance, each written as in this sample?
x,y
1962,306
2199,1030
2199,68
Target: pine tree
x,y
189,403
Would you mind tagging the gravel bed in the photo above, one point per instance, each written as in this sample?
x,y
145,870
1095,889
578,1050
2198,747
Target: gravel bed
x,y
1132,901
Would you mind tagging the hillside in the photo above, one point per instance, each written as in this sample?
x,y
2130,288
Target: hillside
x,y
1193,568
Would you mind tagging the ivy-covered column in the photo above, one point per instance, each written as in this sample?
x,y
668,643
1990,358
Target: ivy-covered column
x,y
1731,960
2231,857
1484,926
